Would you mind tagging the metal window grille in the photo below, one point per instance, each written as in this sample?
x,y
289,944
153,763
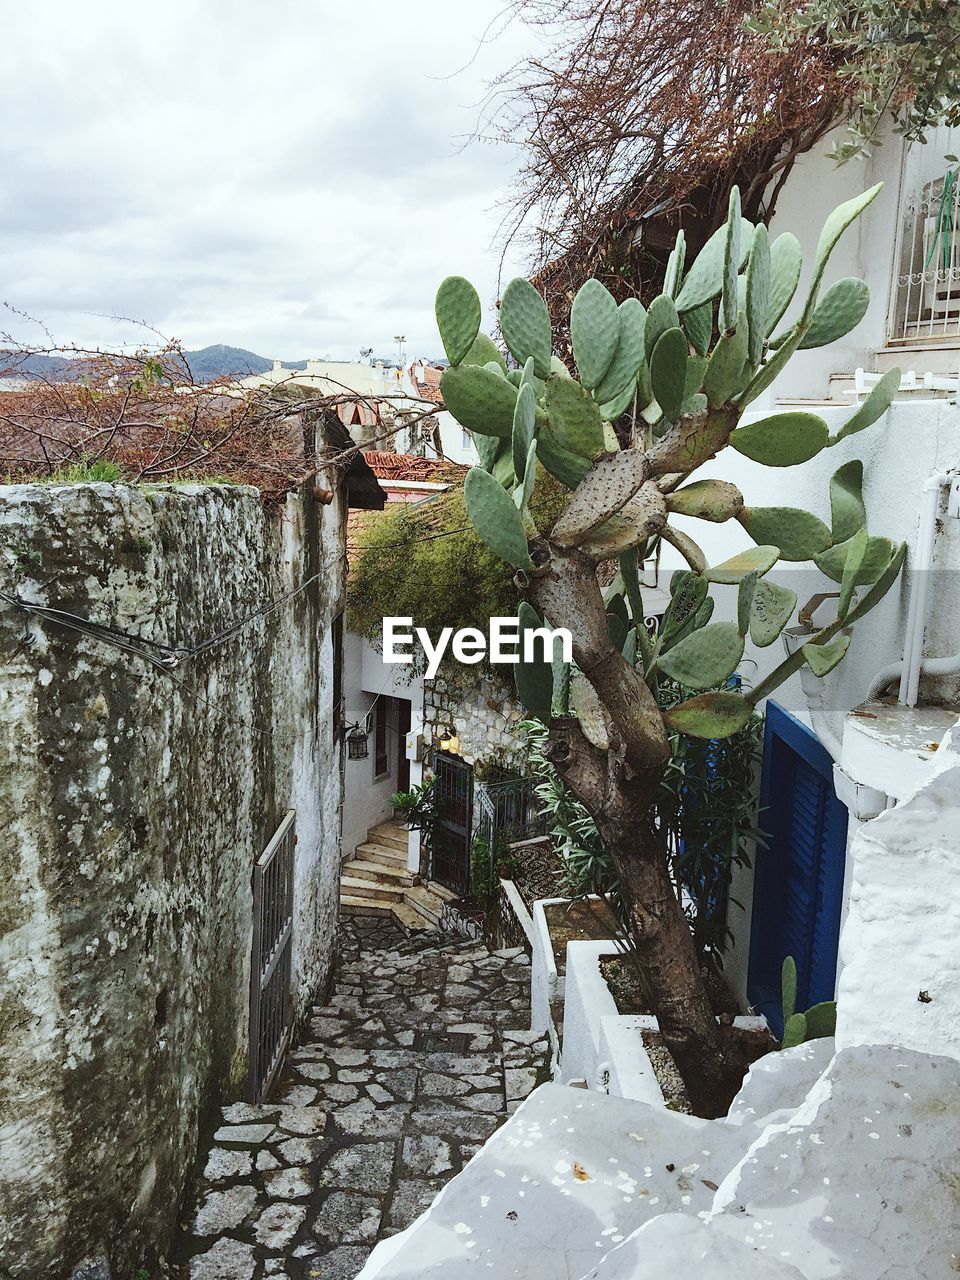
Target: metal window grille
x,y
450,844
270,995
926,295
508,807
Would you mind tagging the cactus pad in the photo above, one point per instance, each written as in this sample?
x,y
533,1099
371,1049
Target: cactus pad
x,y
729,297
731,571
834,227
714,500
877,556
524,424
799,534
479,399
840,309
668,372
757,297
661,317
594,331
848,513
875,406
615,408
704,658
484,351
710,715
704,280
770,611
629,354
822,658
724,374
783,439
495,517
786,263
534,680
458,316
610,484
574,417
525,325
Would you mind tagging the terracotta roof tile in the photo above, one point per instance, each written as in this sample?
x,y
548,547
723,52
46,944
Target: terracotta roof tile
x,y
404,466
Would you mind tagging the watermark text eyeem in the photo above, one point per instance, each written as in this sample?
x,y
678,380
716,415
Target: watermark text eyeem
x,y
469,645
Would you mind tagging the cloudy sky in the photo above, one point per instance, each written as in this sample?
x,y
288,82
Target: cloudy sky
x,y
287,178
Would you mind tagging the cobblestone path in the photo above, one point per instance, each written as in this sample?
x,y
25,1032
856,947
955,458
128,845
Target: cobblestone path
x,y
419,1056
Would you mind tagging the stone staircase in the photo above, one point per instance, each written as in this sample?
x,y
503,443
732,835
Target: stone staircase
x,y
375,882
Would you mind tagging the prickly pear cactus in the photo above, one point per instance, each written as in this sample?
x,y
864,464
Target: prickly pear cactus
x,y
675,377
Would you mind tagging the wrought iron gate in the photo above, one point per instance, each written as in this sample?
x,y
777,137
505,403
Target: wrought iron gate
x,y
453,792
270,1001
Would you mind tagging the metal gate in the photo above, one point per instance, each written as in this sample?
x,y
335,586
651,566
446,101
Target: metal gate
x,y
798,887
270,1000
453,793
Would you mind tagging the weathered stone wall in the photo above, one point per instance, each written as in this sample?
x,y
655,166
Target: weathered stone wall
x,y
132,805
481,710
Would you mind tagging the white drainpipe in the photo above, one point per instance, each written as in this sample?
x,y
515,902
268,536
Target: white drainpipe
x,y
917,615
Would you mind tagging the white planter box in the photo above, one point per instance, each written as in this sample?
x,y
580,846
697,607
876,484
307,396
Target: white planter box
x,y
600,1044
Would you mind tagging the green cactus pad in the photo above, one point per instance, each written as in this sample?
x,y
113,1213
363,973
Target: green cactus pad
x,y
614,409
629,354
870,599
840,309
661,317
698,326
848,513
495,518
687,594
786,263
534,680
875,406
618,631
705,658
710,715
484,351
675,264
524,425
788,988
876,557
594,331
799,534
567,466
714,500
729,297
821,1020
696,372
851,571
610,484
731,571
783,439
794,1031
704,280
458,316
487,447
757,299
525,325
724,374
834,227
822,658
502,470
524,491
588,709
770,611
574,417
748,586
479,399
668,372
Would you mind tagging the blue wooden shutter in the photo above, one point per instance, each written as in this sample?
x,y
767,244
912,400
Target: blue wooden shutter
x,y
798,885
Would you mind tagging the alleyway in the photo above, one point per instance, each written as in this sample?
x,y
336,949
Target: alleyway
x,y
420,1055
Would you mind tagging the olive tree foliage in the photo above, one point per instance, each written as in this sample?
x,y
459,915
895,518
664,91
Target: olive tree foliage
x,y
676,376
896,57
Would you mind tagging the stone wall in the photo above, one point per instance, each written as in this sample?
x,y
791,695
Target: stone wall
x,y
133,803
482,711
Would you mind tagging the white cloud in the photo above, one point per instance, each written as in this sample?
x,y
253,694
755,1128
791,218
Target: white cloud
x,y
287,178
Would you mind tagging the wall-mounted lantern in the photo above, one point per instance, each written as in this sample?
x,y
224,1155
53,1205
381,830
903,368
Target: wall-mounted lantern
x,y
358,747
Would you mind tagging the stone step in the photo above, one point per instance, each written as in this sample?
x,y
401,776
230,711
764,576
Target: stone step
x,y
357,887
370,852
441,891
390,833
351,905
423,901
378,872
411,921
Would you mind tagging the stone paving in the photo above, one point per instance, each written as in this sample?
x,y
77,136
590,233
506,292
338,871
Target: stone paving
x,y
421,1053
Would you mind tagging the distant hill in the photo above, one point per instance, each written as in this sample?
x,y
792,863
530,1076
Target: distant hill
x,y
206,364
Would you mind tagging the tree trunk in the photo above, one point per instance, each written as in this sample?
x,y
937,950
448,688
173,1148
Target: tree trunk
x,y
619,786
